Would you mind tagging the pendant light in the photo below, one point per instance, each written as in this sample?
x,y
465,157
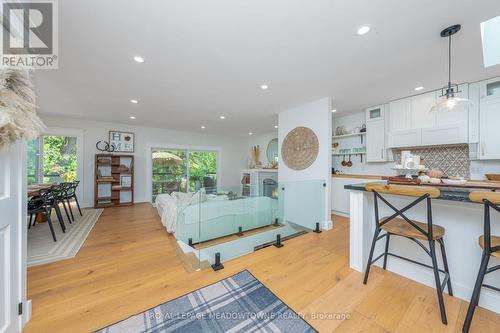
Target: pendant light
x,y
451,101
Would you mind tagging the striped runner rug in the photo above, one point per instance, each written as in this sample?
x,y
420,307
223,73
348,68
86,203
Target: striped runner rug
x,y
239,303
41,247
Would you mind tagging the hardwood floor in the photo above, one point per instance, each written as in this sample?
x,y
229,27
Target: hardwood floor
x,y
129,264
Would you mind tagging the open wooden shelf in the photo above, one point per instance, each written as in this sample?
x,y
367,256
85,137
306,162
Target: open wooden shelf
x,y
116,166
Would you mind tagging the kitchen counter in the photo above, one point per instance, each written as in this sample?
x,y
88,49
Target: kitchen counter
x,y
462,220
345,175
455,194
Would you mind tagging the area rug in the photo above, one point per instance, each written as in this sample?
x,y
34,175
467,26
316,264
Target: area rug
x,y
239,303
41,247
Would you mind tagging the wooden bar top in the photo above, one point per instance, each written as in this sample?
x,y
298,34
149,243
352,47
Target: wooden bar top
x,y
345,175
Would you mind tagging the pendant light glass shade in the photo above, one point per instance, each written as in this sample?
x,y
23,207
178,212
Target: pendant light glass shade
x,y
451,104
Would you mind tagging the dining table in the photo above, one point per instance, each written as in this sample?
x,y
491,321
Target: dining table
x,y
34,189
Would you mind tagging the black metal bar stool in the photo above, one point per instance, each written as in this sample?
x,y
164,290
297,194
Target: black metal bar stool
x,y
491,247
398,224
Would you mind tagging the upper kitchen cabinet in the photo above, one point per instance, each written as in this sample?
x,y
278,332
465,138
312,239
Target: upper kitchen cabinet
x,y
420,110
375,113
489,136
401,133
376,134
413,124
400,114
451,126
489,90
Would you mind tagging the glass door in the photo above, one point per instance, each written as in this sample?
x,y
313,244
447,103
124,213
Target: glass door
x,y
182,170
169,172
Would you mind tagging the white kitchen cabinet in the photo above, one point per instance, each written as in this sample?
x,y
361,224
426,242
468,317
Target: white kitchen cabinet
x,y
420,110
375,113
489,133
375,141
453,133
400,114
474,113
405,138
490,89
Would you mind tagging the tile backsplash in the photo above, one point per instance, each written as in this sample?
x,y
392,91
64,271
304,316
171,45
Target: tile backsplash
x,y
452,160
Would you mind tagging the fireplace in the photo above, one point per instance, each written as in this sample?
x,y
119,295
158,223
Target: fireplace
x,y
270,188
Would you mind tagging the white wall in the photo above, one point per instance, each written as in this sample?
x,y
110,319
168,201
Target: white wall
x,y
318,117
232,151
261,140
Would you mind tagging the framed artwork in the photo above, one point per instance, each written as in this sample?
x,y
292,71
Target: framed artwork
x,y
126,181
123,141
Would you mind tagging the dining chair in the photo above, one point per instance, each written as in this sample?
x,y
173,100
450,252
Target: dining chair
x,y
71,194
38,205
52,201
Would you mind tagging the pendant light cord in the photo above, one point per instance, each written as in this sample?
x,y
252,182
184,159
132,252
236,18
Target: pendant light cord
x,y
449,62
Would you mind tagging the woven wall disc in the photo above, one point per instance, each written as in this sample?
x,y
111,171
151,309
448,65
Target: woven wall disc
x,y
300,148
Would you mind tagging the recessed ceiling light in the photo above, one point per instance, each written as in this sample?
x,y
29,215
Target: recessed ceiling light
x,y
264,87
132,117
363,30
250,133
222,117
419,88
139,59
203,127
275,126
334,110
134,101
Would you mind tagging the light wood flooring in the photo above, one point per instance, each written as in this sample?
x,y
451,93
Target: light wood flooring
x,y
129,264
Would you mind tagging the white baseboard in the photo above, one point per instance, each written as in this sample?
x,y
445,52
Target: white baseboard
x,y
327,225
336,212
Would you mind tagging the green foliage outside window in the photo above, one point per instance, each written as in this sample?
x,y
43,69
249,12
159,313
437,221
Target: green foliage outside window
x,y
59,160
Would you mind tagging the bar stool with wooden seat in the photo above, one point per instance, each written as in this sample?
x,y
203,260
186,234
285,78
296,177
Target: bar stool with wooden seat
x,y
491,247
398,224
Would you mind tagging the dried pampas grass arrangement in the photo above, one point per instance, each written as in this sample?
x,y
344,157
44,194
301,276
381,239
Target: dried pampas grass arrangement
x,y
18,118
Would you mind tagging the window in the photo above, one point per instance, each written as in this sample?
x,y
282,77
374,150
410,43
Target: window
x,y
489,36
182,170
52,159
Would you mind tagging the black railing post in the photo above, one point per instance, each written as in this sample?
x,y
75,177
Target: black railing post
x,y
278,243
218,265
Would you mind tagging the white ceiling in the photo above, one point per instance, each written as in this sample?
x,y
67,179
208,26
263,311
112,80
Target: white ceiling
x,y
208,58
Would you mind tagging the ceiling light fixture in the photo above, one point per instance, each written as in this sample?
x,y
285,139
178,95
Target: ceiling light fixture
x,y
134,101
264,87
449,91
363,30
275,126
222,117
419,88
334,110
250,133
132,117
139,59
203,127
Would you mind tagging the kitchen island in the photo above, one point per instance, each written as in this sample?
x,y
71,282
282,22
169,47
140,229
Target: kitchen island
x,y
463,222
